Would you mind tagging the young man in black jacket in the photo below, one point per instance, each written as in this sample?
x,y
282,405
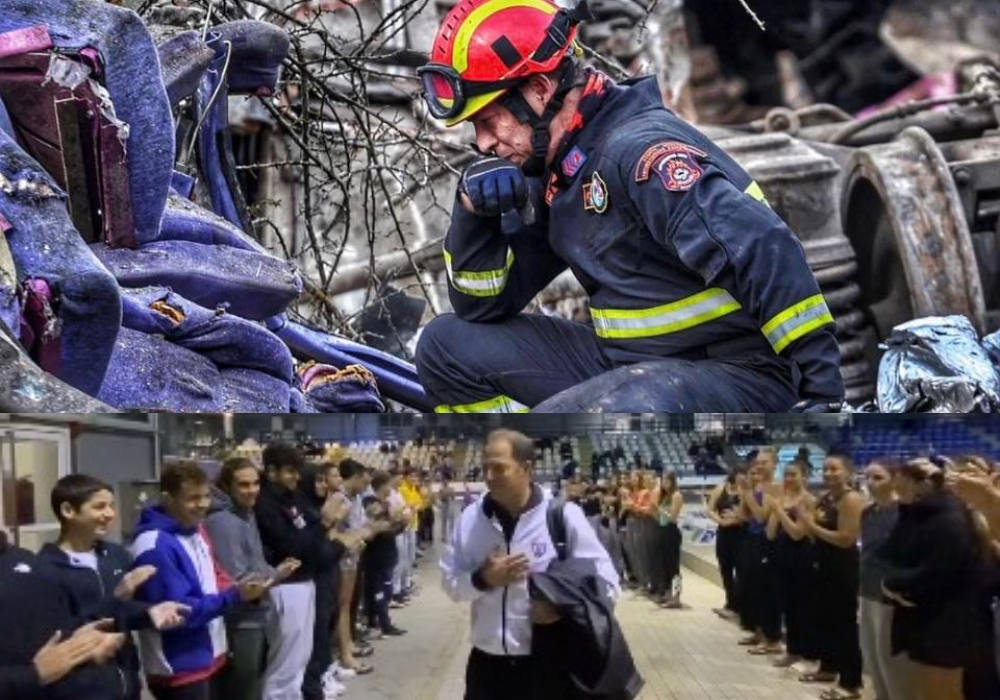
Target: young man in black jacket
x,y
95,578
291,529
381,555
41,656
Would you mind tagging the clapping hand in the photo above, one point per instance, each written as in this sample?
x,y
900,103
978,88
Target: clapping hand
x,y
253,589
977,490
168,615
133,580
92,643
286,569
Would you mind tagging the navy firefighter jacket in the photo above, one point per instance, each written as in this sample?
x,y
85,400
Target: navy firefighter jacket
x,y
672,240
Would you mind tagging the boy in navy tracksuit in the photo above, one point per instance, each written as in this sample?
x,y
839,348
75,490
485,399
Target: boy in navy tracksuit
x,y
43,654
95,579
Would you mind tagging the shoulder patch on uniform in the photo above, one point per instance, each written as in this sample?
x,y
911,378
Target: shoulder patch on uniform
x,y
595,195
675,163
573,161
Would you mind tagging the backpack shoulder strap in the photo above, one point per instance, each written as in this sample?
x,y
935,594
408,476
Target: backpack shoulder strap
x,y
556,518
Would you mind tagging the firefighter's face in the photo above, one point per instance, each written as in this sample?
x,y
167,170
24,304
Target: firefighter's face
x,y
507,479
498,130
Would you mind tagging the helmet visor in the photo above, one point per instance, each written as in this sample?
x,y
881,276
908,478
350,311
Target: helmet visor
x,y
447,95
442,90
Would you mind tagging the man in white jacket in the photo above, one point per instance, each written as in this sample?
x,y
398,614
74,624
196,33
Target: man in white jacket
x,y
498,542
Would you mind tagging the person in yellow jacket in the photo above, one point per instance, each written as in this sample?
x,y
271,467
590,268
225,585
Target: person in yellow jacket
x,y
410,492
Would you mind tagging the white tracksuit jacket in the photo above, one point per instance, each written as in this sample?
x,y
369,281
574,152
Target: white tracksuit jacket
x,y
500,622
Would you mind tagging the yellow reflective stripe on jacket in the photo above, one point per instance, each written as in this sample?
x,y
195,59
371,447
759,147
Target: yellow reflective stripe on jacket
x,y
754,190
498,404
676,316
796,321
488,283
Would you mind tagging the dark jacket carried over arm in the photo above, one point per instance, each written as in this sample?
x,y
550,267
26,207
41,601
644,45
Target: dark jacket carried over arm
x,y
587,644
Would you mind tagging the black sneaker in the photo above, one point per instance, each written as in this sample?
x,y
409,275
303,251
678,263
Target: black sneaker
x,y
393,631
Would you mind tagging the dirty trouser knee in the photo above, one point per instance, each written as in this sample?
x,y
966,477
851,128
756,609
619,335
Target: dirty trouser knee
x,y
682,386
507,366
44,245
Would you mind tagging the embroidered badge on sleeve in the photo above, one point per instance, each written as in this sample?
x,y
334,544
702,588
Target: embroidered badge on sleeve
x,y
595,195
676,164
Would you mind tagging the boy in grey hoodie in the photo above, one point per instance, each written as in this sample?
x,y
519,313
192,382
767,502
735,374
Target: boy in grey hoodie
x,y
232,528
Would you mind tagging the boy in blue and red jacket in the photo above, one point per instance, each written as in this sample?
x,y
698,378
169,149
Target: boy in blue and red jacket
x,y
181,663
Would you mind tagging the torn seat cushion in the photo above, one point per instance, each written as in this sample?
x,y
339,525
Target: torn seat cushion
x,y
184,58
249,391
227,340
45,246
150,373
183,220
349,390
253,285
133,78
259,48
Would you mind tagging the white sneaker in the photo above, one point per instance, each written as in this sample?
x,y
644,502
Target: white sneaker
x,y
332,688
343,674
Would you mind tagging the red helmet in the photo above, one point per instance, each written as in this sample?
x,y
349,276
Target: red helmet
x,y
486,47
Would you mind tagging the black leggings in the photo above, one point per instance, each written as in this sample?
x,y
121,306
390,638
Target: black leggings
x,y
728,543
760,595
327,594
672,542
837,618
659,546
797,583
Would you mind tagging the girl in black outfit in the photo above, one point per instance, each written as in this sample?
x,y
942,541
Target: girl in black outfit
x,y
724,509
939,574
670,502
835,527
761,614
794,562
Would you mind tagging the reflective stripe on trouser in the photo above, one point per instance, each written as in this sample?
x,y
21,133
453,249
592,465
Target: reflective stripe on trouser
x,y
796,321
485,283
497,404
555,365
695,310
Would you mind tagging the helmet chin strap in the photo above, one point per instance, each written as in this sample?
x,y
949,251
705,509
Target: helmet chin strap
x,y
540,136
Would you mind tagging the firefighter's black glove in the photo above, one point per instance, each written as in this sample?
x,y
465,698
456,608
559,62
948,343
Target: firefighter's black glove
x,y
494,186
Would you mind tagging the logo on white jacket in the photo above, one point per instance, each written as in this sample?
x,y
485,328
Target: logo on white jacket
x,y
538,548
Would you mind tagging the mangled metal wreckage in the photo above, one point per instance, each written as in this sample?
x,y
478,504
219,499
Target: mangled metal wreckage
x,y
132,275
